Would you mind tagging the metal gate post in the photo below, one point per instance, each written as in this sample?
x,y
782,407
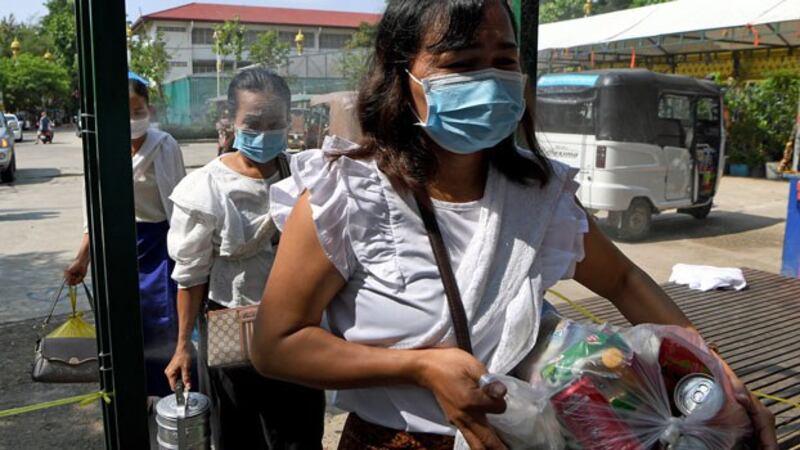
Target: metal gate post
x,y
109,193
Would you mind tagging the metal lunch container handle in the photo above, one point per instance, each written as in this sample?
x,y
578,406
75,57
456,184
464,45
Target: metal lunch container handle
x,y
182,399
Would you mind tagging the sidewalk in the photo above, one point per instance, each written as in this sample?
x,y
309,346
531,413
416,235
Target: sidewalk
x,y
65,427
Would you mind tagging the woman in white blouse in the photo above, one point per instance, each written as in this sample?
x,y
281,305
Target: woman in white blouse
x,y
157,169
438,113
221,238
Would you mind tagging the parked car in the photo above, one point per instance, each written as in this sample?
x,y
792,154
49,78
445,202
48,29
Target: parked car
x,y
8,159
15,126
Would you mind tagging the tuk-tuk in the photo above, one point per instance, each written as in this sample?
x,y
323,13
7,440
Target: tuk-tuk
x,y
643,142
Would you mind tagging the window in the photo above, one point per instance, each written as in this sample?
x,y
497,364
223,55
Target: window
x,y
178,64
204,66
333,41
708,109
676,107
250,37
171,29
564,113
203,36
288,37
210,66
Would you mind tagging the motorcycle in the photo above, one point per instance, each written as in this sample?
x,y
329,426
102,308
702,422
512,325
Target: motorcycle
x,y
46,136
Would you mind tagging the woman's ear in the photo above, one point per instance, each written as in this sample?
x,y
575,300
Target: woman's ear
x,y
151,111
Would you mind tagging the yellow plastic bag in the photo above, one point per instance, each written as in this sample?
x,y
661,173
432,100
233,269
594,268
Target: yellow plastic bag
x,y
74,326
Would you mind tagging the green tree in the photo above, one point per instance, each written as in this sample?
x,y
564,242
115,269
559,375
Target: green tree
x,y
28,35
58,27
230,40
354,62
269,51
150,59
30,82
763,115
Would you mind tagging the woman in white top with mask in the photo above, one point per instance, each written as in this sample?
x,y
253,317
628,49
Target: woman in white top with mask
x,y
157,169
222,241
438,113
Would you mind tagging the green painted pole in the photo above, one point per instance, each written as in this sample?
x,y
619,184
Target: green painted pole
x,y
527,12
109,194
516,6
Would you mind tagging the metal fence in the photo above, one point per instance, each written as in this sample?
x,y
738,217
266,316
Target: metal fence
x,y
188,99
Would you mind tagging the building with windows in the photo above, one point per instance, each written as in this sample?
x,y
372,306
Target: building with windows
x,y
188,32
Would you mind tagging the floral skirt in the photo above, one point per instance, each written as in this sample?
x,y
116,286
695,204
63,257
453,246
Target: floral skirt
x,y
361,435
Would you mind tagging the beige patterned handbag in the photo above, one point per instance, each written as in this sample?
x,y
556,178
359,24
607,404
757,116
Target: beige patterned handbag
x,y
230,334
230,330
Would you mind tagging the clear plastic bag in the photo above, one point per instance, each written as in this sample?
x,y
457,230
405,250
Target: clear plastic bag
x,y
603,388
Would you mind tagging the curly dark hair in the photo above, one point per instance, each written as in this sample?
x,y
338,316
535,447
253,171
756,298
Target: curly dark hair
x,y
390,136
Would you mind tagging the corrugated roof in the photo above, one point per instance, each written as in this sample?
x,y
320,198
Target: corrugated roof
x,y
213,12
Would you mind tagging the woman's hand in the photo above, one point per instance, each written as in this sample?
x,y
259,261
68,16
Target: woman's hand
x,y
453,376
764,436
76,272
180,365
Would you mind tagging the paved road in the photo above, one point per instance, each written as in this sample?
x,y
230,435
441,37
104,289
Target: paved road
x,y
41,223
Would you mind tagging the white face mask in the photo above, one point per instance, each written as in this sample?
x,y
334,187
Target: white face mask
x,y
139,127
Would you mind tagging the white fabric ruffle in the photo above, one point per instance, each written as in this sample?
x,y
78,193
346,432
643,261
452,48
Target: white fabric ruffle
x,y
562,248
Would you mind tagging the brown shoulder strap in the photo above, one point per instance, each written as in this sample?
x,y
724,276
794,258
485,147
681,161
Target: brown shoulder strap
x,y
285,171
457,313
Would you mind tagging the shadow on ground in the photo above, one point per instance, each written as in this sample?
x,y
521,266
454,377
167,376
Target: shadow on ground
x,y
11,215
30,283
35,176
674,227
65,427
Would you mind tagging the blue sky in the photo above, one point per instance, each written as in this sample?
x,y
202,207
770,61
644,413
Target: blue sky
x,y
29,10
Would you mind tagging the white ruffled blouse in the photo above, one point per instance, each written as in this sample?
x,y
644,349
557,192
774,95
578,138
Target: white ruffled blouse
x,y
527,238
221,233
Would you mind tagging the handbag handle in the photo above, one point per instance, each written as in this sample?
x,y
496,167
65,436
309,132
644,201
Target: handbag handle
x,y
456,306
58,296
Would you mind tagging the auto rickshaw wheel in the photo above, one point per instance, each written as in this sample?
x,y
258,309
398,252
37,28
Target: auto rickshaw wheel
x,y
698,213
634,223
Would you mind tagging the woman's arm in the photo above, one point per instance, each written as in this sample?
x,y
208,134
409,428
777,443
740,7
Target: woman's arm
x,y
610,274
189,242
76,271
190,301
289,343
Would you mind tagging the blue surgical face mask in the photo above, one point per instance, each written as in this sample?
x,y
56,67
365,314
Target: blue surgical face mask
x,y
260,147
472,111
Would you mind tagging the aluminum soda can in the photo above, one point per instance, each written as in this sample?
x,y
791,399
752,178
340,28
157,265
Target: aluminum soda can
x,y
698,395
585,412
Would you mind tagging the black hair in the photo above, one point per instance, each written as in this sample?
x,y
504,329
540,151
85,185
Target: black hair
x,y
140,89
258,79
400,147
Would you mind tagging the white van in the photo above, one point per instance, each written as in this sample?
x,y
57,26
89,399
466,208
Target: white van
x,y
643,142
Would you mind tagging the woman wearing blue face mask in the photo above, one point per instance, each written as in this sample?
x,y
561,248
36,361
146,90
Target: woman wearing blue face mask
x,y
221,238
157,169
438,112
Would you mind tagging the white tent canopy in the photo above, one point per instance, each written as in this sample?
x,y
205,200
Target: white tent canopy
x,y
679,27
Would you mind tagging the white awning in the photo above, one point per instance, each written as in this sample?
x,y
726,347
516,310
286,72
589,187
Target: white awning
x,y
680,26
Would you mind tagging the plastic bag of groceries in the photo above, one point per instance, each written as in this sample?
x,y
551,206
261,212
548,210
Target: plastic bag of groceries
x,y
604,388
